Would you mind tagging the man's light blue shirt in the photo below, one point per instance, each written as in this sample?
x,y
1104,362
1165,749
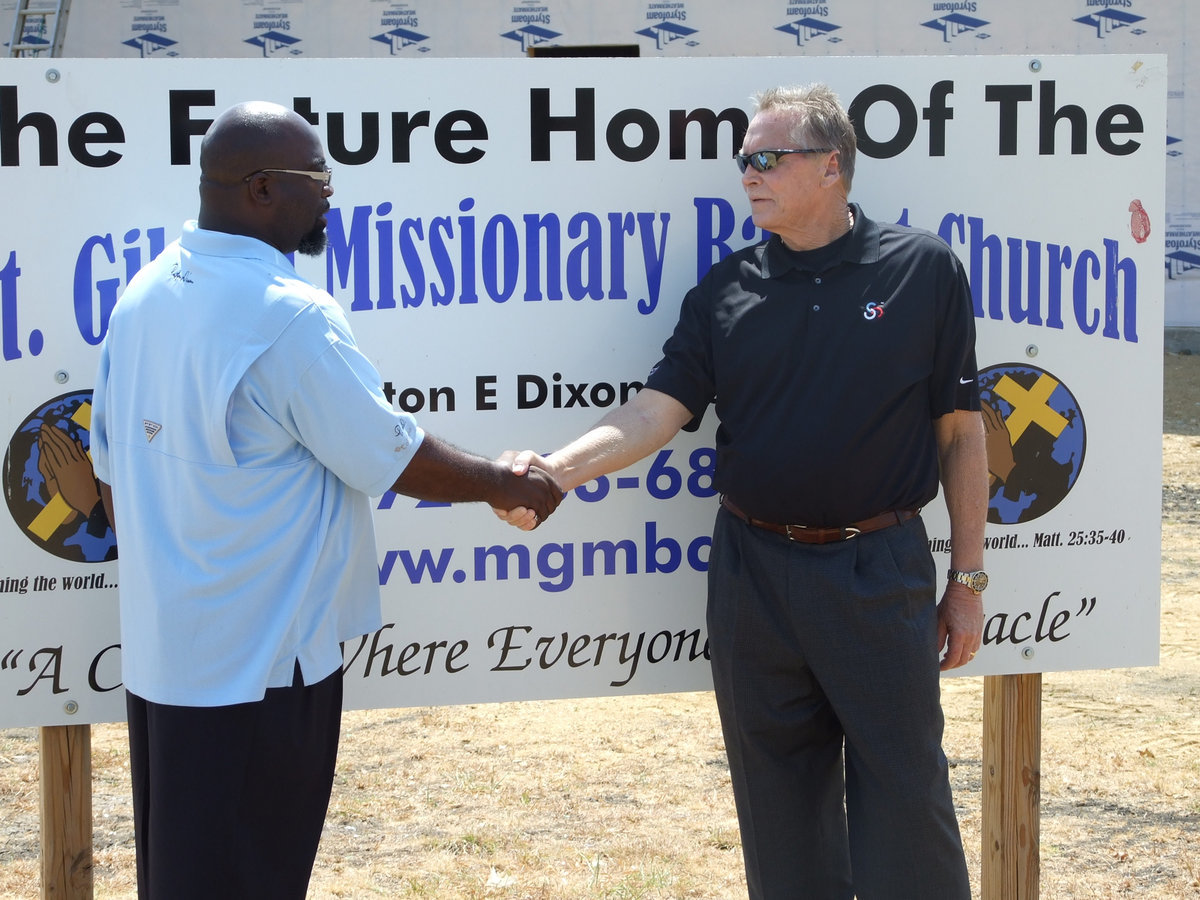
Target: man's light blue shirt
x,y
243,433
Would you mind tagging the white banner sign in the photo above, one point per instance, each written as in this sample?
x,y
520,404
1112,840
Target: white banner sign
x,y
512,242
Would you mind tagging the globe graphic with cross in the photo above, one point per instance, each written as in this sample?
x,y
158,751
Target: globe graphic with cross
x,y
1035,438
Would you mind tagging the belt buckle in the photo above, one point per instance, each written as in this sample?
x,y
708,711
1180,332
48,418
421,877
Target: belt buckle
x,y
846,533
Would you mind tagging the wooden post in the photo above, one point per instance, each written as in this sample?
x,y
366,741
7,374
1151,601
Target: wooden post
x,y
1012,774
66,752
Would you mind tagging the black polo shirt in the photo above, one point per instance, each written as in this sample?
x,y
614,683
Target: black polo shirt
x,y
827,369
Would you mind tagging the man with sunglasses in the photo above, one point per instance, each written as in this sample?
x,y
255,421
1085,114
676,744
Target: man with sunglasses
x,y
840,357
242,434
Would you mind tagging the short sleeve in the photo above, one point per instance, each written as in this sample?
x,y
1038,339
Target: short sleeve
x,y
340,414
954,384
685,371
313,393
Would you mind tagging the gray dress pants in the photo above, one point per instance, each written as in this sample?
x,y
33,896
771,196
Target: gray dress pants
x,y
825,666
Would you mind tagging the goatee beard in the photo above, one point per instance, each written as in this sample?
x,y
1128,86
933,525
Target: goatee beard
x,y
313,243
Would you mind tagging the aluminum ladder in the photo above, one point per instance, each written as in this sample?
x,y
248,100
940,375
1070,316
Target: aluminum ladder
x,y
31,38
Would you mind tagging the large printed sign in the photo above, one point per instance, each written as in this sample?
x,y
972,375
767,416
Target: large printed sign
x,y
511,241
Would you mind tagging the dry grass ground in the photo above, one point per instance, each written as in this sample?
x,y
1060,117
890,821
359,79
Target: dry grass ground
x,y
630,798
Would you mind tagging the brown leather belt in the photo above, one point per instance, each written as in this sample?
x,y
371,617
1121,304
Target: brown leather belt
x,y
805,534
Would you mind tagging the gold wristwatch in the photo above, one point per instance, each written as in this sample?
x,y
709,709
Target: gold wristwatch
x,y
976,581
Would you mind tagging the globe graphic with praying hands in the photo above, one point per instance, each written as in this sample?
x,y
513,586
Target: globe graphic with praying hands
x,y
51,490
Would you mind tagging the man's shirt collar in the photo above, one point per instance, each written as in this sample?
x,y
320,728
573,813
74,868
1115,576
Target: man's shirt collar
x,y
859,245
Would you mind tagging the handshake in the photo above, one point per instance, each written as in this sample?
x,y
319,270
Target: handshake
x,y
536,491
534,484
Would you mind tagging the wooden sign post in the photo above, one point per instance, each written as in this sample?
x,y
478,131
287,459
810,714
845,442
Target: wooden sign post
x,y
1012,772
66,752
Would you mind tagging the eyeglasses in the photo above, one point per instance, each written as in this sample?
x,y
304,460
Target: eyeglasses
x,y
765,160
325,176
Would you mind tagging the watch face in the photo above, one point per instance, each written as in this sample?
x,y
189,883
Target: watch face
x,y
976,581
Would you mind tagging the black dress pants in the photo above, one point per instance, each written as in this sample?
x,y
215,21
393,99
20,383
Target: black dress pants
x,y
229,801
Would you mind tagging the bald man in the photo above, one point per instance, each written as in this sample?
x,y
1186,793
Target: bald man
x,y
239,434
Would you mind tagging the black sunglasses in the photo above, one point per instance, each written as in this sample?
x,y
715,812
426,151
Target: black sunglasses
x,y
765,160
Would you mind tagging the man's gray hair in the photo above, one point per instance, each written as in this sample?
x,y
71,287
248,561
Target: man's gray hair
x,y
818,120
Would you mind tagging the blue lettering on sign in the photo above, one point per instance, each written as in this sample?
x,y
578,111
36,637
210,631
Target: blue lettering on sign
x,y
555,565
94,296
1049,284
458,259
